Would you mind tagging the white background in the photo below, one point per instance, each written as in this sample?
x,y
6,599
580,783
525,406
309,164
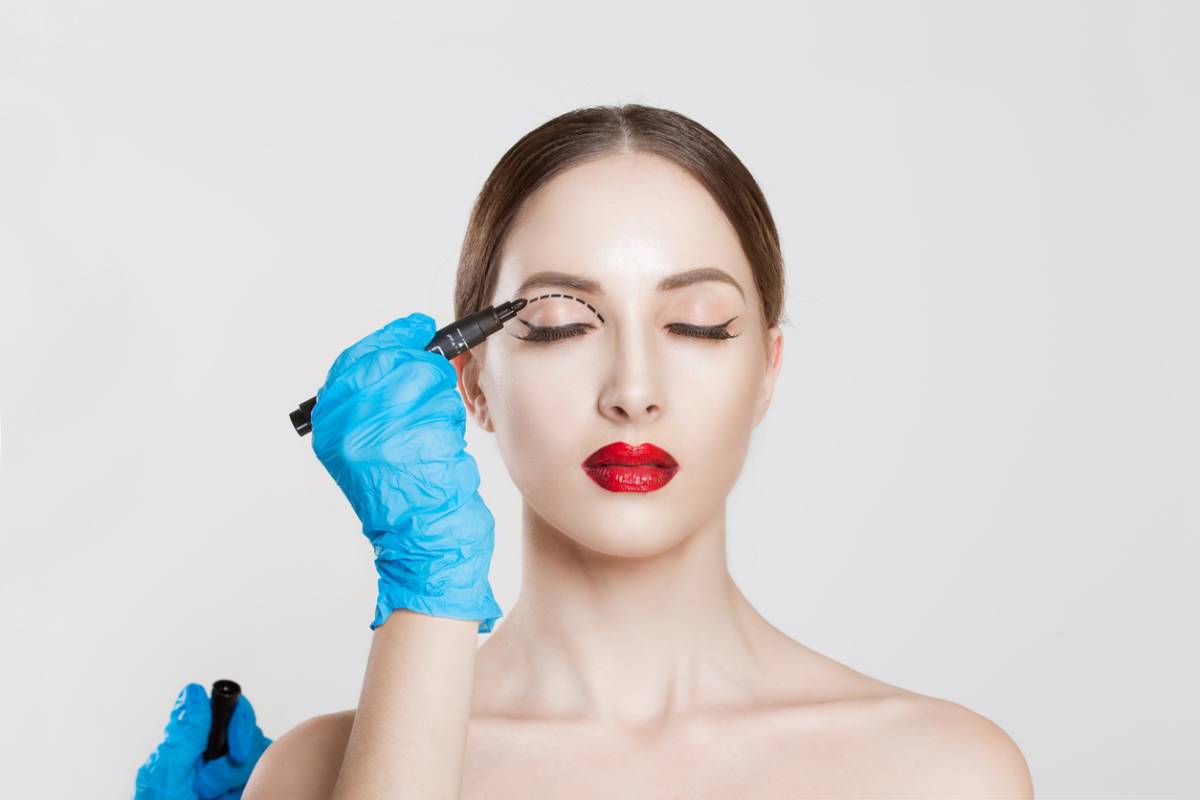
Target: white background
x,y
979,476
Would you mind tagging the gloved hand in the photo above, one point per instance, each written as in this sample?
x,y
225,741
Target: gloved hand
x,y
176,770
388,427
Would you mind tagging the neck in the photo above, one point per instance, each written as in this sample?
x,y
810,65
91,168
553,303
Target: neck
x,y
632,642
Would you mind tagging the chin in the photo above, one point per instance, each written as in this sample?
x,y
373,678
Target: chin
x,y
617,524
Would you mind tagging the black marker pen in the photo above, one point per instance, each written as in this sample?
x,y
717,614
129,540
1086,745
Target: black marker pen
x,y
457,337
225,694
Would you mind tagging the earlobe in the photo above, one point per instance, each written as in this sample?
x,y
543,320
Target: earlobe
x,y
472,393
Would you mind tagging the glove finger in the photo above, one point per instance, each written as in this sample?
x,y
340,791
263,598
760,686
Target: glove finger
x,y
392,467
386,431
388,381
246,739
411,332
428,370
190,721
168,773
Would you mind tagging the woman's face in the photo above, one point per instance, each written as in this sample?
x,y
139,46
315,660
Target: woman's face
x,y
625,222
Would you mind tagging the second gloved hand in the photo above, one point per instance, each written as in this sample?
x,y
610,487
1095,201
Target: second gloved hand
x,y
176,770
389,428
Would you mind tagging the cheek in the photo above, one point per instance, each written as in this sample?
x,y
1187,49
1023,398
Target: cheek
x,y
718,420
540,414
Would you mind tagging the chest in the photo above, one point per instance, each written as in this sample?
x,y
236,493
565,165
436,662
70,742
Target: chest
x,y
741,762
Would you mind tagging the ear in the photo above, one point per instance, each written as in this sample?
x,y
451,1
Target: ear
x,y
774,362
467,366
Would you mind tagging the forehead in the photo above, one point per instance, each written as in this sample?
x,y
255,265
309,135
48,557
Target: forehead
x,y
627,217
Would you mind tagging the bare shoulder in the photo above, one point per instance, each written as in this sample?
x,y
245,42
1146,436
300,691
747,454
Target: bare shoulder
x,y
304,762
932,747
848,732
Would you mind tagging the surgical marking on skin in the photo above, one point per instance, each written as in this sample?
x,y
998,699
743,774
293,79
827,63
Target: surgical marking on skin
x,y
568,297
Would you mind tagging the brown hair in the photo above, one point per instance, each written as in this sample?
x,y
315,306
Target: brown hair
x,y
589,133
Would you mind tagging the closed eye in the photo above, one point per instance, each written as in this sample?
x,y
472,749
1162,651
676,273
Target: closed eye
x,y
537,333
550,334
704,331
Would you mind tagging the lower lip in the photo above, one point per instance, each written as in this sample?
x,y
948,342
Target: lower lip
x,y
616,478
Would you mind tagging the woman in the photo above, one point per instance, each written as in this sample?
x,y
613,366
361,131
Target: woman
x,y
630,665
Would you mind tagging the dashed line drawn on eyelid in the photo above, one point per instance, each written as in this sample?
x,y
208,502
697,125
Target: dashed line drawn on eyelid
x,y
568,297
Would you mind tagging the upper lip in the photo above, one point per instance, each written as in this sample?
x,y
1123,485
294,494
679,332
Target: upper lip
x,y
628,455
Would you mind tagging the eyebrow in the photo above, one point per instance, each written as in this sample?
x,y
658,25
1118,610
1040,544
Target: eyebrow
x,y
567,280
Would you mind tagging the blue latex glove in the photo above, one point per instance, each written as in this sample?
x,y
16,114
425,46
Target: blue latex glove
x,y
389,428
176,770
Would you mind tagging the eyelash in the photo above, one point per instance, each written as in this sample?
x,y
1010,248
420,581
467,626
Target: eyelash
x,y
715,332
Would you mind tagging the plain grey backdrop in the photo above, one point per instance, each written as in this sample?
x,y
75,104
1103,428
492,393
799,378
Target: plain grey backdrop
x,y
978,479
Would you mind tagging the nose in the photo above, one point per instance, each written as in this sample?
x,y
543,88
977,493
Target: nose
x,y
632,393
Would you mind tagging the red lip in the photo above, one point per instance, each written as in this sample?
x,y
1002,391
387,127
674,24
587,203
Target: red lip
x,y
622,467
